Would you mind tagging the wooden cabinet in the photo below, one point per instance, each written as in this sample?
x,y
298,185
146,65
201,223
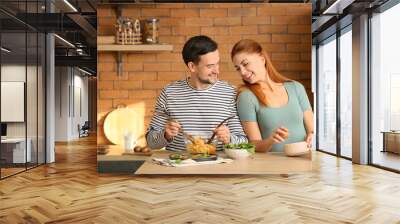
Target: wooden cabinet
x,y
391,141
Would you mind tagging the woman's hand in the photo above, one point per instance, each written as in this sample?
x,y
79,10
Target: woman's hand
x,y
308,139
279,135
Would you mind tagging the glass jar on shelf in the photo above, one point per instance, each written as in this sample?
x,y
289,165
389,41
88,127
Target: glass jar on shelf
x,y
151,27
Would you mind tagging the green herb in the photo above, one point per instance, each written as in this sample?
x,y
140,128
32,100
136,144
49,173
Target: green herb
x,y
251,148
200,156
178,161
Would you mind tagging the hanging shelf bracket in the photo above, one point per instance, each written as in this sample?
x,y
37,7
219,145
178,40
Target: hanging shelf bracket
x,y
119,63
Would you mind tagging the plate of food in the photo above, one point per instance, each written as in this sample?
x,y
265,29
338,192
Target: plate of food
x,y
203,157
180,156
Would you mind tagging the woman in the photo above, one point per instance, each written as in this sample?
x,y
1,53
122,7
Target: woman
x,y
273,109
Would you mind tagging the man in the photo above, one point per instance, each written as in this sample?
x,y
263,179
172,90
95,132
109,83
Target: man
x,y
198,103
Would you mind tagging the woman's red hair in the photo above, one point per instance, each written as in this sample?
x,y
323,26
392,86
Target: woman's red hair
x,y
252,47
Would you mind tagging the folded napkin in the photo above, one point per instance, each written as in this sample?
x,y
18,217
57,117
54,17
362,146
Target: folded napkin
x,y
189,162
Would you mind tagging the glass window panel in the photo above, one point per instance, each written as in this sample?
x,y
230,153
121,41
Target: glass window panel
x,y
327,96
346,94
13,84
22,62
385,89
41,98
31,97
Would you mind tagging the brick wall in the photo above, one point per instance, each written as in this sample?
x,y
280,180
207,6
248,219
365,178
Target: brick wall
x,y
284,30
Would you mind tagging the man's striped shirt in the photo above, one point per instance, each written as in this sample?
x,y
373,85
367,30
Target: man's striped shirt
x,y
196,111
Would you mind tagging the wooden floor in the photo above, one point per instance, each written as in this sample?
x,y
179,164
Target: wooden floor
x,y
70,191
8,171
5,172
387,159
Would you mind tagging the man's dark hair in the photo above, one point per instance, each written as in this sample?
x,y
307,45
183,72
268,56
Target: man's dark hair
x,y
197,46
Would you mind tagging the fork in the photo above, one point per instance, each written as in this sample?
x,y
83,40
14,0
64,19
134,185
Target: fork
x,y
188,136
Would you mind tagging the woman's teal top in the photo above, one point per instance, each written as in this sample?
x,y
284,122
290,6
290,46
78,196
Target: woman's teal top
x,y
290,115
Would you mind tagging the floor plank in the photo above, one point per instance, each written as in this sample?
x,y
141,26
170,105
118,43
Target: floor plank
x,y
387,159
71,191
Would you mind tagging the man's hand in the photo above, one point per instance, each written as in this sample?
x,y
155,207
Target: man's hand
x,y
171,129
223,134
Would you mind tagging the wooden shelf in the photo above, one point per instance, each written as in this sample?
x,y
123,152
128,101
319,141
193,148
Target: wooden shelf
x,y
137,47
106,43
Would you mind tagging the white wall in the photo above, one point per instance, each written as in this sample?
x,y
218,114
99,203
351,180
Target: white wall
x,y
61,103
71,94
80,110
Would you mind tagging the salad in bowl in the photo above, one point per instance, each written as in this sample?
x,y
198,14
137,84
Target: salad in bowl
x,y
196,143
239,151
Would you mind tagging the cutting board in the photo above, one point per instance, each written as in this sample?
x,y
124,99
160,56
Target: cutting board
x,y
121,121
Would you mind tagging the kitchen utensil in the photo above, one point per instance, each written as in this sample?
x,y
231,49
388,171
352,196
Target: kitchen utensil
x,y
164,114
219,125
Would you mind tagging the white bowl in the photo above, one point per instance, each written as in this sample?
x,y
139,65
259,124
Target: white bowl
x,y
296,149
237,153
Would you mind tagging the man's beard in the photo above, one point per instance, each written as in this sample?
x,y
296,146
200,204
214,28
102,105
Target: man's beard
x,y
207,81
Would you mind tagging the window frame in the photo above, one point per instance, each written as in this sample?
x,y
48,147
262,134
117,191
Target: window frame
x,y
334,37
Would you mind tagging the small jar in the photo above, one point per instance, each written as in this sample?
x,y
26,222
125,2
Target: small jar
x,y
151,27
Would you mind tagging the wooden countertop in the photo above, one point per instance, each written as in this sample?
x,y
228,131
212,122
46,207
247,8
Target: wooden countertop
x,y
259,163
116,153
